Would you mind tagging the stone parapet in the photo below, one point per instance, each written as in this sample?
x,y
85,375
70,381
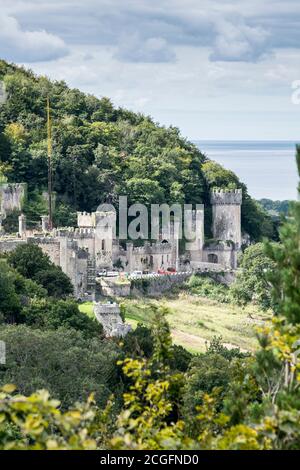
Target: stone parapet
x,y
226,197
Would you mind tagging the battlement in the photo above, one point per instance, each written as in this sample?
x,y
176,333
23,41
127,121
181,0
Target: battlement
x,y
151,248
226,197
85,219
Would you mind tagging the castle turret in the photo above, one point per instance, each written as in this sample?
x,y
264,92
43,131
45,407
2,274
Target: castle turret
x,y
226,211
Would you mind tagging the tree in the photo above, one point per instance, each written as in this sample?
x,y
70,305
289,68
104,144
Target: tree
x,y
52,315
252,284
286,255
10,305
63,361
32,263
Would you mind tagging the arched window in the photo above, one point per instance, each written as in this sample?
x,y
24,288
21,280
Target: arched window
x,y
212,258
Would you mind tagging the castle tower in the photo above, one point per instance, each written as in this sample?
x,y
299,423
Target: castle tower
x,y
105,234
226,212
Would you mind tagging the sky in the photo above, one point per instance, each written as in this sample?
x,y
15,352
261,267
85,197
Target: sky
x,y
217,69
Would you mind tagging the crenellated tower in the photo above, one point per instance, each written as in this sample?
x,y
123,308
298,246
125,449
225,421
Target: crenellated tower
x,y
226,211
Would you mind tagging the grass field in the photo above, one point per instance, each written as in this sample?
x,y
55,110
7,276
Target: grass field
x,y
87,308
194,321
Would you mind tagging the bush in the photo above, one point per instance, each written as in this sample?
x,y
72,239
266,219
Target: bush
x,y
63,361
30,261
205,287
51,315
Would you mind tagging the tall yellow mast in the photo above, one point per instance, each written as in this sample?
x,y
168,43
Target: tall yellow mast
x,y
49,146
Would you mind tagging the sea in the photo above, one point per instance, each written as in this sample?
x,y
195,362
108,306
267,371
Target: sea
x,y
268,168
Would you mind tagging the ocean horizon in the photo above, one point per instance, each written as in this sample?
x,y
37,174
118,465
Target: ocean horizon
x,y
267,167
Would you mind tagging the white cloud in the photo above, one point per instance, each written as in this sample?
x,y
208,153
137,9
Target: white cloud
x,y
32,46
215,68
154,49
236,41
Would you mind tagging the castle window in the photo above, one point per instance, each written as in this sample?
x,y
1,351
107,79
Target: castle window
x,y
212,258
103,245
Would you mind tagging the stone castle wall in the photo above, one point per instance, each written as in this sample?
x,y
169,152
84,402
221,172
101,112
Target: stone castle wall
x,y
12,197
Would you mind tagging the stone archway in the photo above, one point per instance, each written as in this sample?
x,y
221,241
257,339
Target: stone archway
x,y
212,258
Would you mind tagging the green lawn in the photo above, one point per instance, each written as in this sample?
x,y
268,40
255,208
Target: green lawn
x,y
194,321
87,308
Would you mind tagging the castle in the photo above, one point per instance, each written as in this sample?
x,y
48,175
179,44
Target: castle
x,y
83,251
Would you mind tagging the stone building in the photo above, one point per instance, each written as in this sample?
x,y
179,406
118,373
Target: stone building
x,y
83,251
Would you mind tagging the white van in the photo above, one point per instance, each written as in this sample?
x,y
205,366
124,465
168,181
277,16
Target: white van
x,y
136,274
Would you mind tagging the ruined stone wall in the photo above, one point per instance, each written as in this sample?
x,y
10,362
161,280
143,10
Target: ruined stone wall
x,y
12,197
157,285
50,246
7,245
112,287
109,316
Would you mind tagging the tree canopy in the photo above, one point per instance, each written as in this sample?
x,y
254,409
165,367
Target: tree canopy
x,y
101,152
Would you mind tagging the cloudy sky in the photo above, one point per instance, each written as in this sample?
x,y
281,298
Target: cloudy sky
x,y
218,69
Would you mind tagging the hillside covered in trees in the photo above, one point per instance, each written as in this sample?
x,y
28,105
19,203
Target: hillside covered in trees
x,y
101,152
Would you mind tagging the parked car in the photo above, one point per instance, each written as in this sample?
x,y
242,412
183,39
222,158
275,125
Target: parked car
x,y
112,273
171,270
162,271
137,274
102,273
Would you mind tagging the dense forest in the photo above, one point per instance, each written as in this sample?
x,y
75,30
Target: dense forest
x,y
101,152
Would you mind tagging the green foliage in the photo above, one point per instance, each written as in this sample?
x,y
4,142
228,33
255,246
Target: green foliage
x,y
32,263
37,423
138,343
100,152
64,361
53,314
10,304
34,207
285,279
252,283
11,222
64,216
275,207
204,286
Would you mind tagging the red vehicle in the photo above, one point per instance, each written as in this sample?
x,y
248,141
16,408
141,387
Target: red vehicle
x,y
171,270
162,271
